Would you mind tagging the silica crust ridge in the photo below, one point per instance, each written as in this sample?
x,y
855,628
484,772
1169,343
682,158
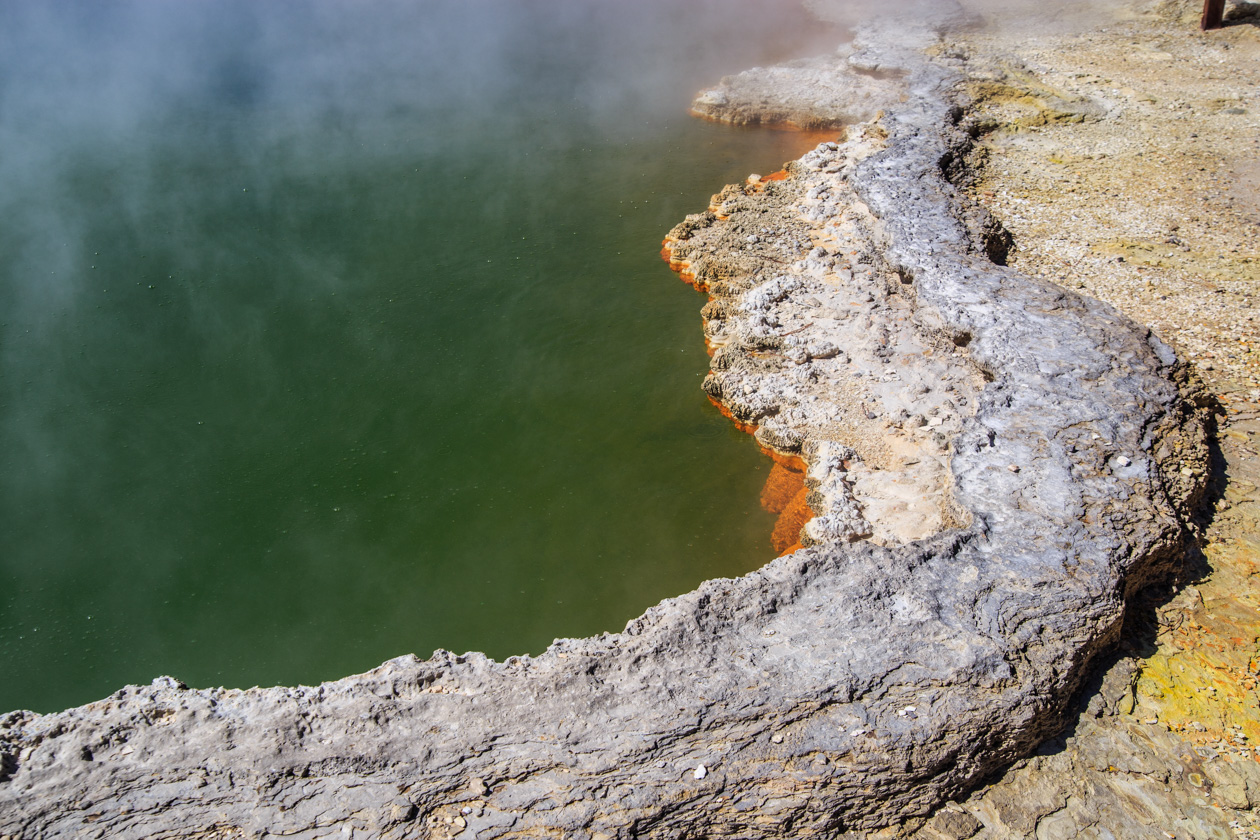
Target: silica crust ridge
x,y
995,465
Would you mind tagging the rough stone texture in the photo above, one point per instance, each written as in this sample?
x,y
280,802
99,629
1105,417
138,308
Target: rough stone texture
x,y
834,90
867,677
1162,169
1112,775
1125,160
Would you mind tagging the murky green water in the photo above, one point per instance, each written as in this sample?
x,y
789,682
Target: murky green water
x,y
332,332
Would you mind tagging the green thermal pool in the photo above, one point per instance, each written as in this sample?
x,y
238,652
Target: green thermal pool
x,y
331,332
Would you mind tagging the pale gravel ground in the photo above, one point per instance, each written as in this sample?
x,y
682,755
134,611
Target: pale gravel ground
x,y
1152,204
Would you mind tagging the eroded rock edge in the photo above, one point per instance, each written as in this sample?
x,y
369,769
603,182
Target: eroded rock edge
x,y
846,685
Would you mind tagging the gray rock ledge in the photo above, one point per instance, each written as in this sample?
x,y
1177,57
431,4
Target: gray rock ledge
x,y
864,678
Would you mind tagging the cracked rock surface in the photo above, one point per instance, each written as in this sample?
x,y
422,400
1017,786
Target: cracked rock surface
x,y
996,465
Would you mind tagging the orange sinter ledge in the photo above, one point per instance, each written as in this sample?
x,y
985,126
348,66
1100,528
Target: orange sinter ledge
x,y
784,492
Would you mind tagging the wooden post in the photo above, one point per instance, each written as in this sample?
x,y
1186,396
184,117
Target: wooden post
x,y
1213,13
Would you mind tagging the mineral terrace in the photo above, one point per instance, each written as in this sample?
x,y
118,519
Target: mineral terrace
x,y
995,465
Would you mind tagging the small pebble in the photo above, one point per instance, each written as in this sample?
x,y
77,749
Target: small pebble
x,y
1123,461
700,773
1013,468
776,738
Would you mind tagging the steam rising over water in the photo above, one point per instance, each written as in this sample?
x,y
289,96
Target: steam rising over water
x,y
330,332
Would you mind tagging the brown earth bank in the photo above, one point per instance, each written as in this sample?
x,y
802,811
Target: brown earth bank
x,y
1003,475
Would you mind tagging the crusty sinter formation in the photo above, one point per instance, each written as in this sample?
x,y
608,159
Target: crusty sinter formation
x,y
996,465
